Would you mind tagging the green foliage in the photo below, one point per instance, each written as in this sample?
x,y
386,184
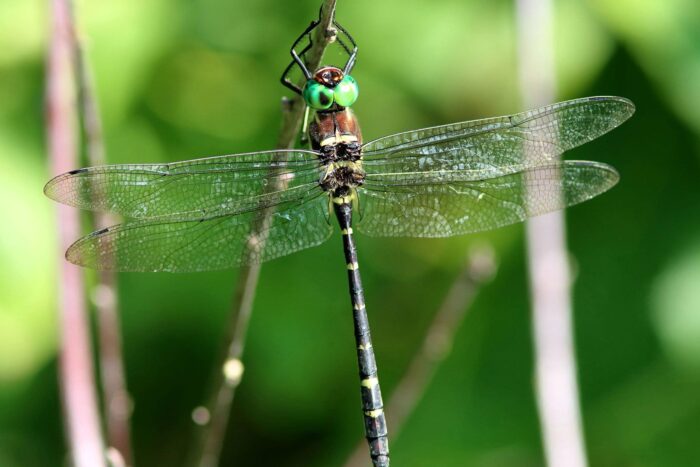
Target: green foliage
x,y
178,80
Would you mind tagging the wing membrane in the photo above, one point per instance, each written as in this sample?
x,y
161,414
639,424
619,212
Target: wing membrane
x,y
445,209
492,147
206,244
190,189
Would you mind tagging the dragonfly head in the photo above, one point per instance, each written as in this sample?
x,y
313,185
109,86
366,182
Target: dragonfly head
x,y
329,86
329,76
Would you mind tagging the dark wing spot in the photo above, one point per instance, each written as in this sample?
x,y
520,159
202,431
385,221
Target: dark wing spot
x,y
77,171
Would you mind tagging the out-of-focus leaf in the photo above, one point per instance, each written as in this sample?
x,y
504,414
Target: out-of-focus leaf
x,y
124,40
460,56
28,256
582,46
665,38
676,307
21,44
199,89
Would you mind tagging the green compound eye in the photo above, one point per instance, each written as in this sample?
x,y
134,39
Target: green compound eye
x,y
346,92
317,96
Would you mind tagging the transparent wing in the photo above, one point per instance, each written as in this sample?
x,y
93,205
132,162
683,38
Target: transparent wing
x,y
445,209
209,243
497,146
190,189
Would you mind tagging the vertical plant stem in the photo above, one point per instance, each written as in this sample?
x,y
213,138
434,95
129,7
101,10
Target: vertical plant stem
x,y
215,418
550,279
112,375
437,344
115,396
75,361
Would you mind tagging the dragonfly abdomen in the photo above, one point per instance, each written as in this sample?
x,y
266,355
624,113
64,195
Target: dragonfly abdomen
x,y
372,405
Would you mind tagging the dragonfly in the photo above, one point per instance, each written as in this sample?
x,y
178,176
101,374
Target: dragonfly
x,y
241,209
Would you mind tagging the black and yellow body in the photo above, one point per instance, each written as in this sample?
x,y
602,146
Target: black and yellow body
x,y
372,404
335,133
222,212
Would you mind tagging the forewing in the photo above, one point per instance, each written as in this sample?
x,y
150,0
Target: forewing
x,y
213,243
491,147
189,189
447,209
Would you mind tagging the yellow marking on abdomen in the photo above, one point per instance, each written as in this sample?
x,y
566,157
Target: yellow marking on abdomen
x,y
364,347
358,306
374,413
347,231
370,382
343,199
353,266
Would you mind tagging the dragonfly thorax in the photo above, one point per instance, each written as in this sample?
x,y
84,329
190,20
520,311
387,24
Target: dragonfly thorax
x,y
342,174
336,136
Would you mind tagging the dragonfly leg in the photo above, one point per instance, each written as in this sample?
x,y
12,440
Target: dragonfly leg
x,y
298,58
352,53
305,127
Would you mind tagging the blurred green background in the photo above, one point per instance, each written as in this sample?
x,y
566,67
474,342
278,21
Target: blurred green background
x,y
181,79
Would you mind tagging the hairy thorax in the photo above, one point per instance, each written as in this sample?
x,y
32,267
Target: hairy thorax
x,y
337,136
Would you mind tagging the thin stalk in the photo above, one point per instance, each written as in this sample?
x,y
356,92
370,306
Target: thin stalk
x,y
117,402
550,279
81,415
437,344
215,417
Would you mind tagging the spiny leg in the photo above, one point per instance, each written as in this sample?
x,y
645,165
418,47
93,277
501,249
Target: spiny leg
x,y
297,58
352,53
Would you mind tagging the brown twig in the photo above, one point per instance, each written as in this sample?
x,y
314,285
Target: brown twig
x,y
76,371
479,269
117,403
215,418
555,363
